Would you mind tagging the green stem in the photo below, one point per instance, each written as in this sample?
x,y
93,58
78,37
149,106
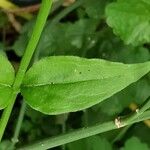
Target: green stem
x,y
140,111
19,123
81,133
70,137
146,105
121,134
85,118
41,20
56,5
66,11
40,23
64,128
6,115
136,115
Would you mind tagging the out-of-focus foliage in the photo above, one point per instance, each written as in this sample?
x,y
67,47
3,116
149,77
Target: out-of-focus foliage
x,y
84,32
130,20
92,143
97,142
134,144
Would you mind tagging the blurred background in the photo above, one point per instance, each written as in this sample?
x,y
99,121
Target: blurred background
x,y
75,27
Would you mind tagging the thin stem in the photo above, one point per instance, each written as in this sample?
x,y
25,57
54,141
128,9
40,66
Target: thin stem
x,y
81,133
19,123
139,112
70,137
56,5
146,105
121,134
4,39
66,11
40,23
65,116
85,118
41,20
6,115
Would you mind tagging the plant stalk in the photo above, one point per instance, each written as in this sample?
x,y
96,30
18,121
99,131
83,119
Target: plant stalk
x,y
82,133
66,11
140,111
40,23
18,125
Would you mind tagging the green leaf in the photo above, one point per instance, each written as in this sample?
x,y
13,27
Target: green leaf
x,y
6,145
135,144
2,49
77,37
63,84
95,8
20,44
141,131
6,79
130,19
135,93
92,143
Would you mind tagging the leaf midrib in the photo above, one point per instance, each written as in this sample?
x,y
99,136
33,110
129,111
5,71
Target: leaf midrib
x,y
52,83
5,85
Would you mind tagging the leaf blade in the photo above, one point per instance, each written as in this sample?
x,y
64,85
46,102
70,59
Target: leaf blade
x,y
7,76
130,20
62,84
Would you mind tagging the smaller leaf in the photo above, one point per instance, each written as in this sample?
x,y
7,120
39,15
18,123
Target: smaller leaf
x,y
6,145
135,144
6,80
75,36
130,19
91,143
135,93
95,8
63,84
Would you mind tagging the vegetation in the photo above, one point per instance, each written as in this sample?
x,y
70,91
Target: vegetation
x,y
75,75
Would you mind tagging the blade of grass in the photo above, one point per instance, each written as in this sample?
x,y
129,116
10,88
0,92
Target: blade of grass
x,y
40,23
82,133
18,125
